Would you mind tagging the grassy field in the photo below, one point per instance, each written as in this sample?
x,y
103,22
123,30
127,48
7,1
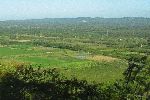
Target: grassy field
x,y
78,64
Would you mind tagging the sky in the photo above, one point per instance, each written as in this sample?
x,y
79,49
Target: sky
x,y
37,9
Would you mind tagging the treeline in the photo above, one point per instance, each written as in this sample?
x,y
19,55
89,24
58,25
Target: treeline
x,y
31,83
110,32
75,26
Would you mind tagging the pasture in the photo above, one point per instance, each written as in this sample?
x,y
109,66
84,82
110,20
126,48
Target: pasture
x,y
71,64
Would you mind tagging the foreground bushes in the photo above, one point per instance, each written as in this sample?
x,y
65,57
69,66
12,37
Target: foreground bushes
x,y
47,84
39,84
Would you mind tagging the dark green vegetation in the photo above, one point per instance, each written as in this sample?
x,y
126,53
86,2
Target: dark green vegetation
x,y
29,83
90,49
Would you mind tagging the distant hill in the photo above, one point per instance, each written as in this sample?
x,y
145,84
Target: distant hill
x,y
127,26
121,22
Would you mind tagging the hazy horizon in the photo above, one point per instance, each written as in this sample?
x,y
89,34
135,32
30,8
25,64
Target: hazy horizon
x,y
66,18
23,9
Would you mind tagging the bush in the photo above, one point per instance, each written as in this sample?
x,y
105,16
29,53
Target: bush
x,y
37,84
46,84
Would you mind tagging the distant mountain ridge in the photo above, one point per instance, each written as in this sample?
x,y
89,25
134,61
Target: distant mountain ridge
x,y
84,22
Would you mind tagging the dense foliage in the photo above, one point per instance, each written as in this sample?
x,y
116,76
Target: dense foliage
x,y
120,32
30,83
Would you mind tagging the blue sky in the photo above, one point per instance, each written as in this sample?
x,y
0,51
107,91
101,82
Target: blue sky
x,y
33,9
